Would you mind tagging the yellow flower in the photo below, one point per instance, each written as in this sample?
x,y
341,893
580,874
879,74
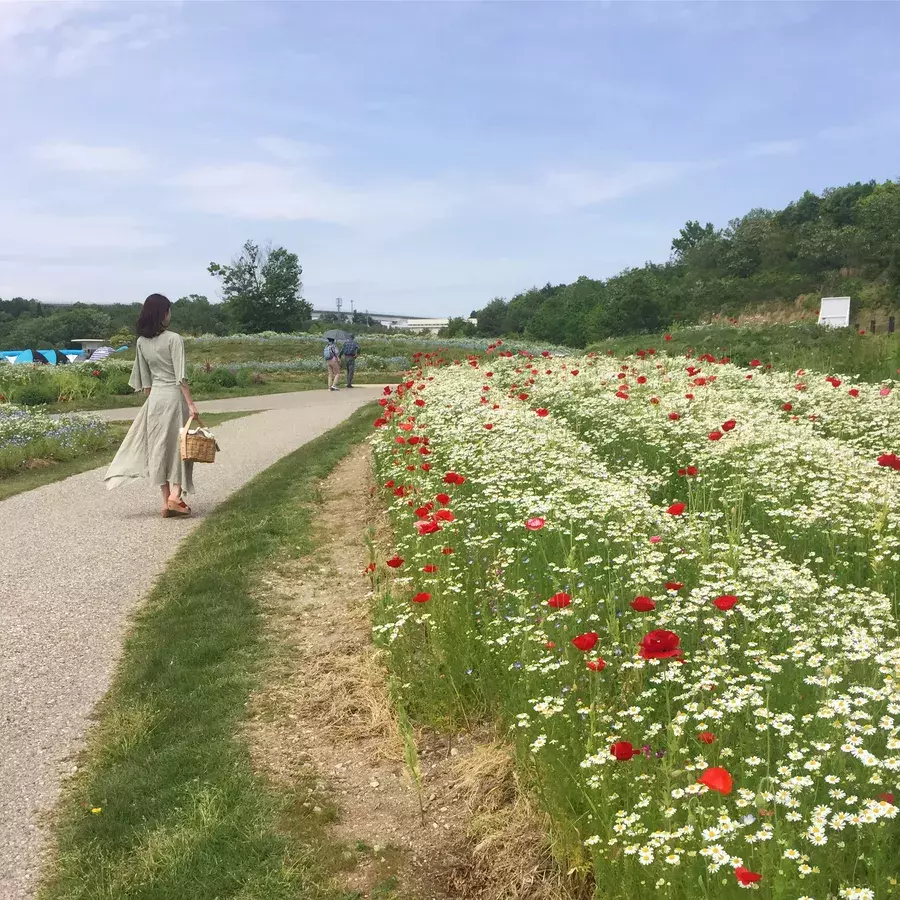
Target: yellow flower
x,y
96,810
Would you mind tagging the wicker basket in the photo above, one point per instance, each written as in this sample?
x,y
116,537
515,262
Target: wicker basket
x,y
198,445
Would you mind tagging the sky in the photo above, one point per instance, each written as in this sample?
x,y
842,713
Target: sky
x,y
420,158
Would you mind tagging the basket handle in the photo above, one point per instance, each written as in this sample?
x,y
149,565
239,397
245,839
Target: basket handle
x,y
196,419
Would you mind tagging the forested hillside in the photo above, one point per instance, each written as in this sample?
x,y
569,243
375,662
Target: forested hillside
x,y
845,241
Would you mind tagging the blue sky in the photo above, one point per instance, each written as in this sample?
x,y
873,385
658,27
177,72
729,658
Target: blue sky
x,y
419,157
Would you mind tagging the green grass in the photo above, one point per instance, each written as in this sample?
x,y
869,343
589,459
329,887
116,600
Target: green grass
x,y
29,479
305,382
873,357
183,815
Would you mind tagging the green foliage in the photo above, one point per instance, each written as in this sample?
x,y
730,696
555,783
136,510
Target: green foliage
x,y
182,814
262,288
844,241
458,327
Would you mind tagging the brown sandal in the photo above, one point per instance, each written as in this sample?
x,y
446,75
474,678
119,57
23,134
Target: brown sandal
x,y
176,508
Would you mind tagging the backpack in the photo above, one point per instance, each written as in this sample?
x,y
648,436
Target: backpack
x,y
330,351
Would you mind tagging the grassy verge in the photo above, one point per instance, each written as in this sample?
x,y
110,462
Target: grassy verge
x,y
181,814
298,383
56,470
873,357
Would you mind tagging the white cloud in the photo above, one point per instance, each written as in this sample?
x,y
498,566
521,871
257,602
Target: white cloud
x,y
36,235
72,157
265,191
300,192
63,38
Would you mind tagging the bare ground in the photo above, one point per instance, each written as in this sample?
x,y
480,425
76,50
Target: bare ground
x,y
323,727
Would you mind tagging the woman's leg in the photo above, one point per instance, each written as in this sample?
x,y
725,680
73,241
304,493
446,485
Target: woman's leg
x,y
165,494
175,494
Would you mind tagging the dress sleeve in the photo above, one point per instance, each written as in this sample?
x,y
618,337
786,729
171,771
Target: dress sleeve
x,y
140,371
178,363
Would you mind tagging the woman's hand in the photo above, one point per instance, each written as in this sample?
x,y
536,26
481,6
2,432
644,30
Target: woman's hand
x,y
192,409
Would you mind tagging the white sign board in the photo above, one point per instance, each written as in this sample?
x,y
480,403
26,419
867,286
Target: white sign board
x,y
835,312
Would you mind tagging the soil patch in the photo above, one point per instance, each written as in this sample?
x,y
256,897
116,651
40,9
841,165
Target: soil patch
x,y
324,720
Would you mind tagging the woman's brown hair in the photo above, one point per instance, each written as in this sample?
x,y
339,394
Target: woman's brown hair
x,y
150,321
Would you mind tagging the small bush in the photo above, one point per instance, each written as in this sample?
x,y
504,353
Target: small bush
x,y
35,393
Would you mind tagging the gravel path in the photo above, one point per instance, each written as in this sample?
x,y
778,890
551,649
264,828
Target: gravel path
x,y
76,559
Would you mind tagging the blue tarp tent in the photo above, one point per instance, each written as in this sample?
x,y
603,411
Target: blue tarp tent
x,y
32,356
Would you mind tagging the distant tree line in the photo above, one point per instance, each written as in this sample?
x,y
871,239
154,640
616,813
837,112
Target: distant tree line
x,y
845,241
261,291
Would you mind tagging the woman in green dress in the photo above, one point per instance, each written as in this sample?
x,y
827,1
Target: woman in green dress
x,y
152,447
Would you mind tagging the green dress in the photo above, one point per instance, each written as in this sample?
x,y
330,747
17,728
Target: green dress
x,y
152,447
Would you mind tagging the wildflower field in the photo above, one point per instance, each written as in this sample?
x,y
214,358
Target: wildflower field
x,y
676,582
27,436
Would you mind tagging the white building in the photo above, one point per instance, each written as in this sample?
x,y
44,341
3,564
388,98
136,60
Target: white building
x,y
419,324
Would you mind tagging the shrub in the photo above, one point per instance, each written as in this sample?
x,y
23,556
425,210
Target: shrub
x,y
35,392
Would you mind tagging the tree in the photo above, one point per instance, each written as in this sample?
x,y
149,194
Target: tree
x,y
262,289
194,314
690,236
492,319
457,327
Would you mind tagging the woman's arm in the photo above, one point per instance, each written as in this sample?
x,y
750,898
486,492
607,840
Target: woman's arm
x,y
185,389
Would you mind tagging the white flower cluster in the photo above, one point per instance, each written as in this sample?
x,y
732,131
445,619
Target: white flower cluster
x,y
677,498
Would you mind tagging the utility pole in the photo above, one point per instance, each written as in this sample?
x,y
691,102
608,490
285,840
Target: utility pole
x,y
339,303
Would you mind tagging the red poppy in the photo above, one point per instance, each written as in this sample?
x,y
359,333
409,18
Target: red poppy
x,y
660,644
717,780
444,515
454,478
549,645
730,425
688,396
427,527
535,524
559,601
716,435
853,392
587,641
430,569
623,751
523,396
422,512
574,372
622,395
389,483
754,363
422,597
667,337
395,562
674,585
642,604
674,416
419,401
692,471
745,876
725,602
489,425
787,407
706,737
596,665
886,798
542,412
447,551
889,460
642,379
443,499
676,509
370,567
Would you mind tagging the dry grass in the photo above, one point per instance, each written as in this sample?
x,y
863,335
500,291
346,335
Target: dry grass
x,y
511,839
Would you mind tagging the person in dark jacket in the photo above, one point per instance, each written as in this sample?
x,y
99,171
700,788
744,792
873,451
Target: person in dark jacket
x,y
349,352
